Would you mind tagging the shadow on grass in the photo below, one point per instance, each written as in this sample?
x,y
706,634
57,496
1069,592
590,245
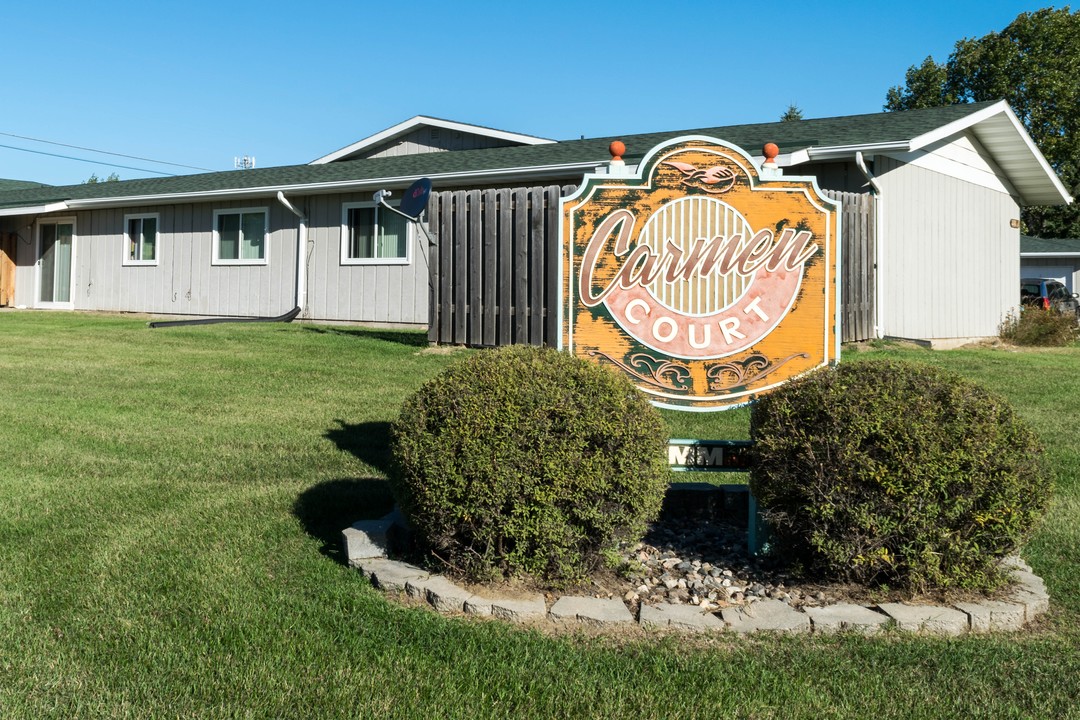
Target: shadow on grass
x,y
412,338
369,442
329,507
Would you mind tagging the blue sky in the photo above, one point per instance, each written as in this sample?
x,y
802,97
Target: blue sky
x,y
199,83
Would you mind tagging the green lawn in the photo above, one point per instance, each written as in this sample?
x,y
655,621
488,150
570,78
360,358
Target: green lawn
x,y
170,508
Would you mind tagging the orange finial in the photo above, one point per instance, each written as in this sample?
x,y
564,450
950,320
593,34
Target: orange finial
x,y
617,148
770,151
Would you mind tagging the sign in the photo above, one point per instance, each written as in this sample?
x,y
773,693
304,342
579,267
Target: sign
x,y
709,455
703,281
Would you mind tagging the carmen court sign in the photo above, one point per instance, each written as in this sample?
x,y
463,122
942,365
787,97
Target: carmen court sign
x,y
702,278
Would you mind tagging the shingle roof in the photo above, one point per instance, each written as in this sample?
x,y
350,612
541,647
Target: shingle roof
x,y
18,184
790,136
1047,246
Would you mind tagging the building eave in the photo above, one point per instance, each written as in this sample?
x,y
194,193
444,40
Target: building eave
x,y
540,172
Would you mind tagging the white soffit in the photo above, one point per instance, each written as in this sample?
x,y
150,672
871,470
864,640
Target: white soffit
x,y
999,131
413,123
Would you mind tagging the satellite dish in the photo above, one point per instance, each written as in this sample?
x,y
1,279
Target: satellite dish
x,y
415,198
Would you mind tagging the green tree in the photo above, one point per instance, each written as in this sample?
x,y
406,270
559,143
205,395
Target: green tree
x,y
792,113
924,86
1034,64
94,179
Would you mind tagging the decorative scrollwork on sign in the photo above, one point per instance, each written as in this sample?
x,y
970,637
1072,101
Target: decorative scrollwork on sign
x,y
737,375
715,180
659,372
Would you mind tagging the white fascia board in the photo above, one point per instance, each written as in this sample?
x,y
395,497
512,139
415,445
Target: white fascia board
x,y
1050,254
789,159
837,152
422,120
958,126
33,209
336,186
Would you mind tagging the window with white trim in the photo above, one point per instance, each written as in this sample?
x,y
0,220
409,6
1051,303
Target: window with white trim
x,y
241,236
141,239
373,235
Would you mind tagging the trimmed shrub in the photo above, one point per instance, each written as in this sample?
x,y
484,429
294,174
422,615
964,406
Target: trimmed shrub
x,y
1040,327
880,472
528,462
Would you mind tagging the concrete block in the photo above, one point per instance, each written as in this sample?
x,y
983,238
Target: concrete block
x,y
993,615
444,595
390,574
926,618
766,615
845,616
366,539
1035,603
476,605
1028,581
592,611
683,617
519,609
1014,562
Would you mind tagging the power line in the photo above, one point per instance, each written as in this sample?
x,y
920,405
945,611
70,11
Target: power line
x,y
92,162
103,152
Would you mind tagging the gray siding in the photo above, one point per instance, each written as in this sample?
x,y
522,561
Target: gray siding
x,y
186,282
364,293
950,261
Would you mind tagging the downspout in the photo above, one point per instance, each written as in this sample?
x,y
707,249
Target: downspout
x,y
879,232
301,253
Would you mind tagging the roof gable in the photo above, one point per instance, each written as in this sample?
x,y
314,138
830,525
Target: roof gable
x,y
429,135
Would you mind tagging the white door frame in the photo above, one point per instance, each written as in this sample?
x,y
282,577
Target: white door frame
x,y
46,305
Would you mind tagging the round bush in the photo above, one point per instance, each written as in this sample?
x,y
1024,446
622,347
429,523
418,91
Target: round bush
x,y
882,472
527,462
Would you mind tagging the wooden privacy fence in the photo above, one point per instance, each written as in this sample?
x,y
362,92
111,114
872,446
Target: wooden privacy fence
x,y
858,246
494,270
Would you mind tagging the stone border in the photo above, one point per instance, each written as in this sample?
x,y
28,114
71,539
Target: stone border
x,y
366,544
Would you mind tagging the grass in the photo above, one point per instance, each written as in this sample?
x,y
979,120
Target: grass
x,y
170,507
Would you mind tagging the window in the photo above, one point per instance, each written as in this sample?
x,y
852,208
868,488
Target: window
x,y
140,239
373,235
240,236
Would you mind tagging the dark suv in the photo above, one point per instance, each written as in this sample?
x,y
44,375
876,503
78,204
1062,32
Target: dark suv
x,y
1046,294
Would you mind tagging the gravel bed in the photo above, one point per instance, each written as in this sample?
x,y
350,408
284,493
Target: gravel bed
x,y
703,563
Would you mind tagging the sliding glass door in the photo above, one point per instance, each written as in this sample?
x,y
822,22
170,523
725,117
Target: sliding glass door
x,y
56,249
